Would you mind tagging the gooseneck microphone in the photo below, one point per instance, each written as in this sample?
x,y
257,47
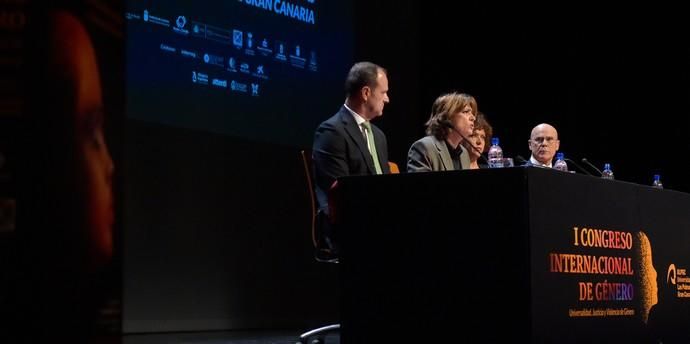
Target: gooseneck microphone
x,y
449,125
578,167
520,160
584,161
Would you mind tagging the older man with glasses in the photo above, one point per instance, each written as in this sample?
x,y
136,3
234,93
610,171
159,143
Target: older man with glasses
x,y
544,144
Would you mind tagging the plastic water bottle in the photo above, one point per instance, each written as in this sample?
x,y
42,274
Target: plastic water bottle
x,y
495,154
560,163
607,173
657,182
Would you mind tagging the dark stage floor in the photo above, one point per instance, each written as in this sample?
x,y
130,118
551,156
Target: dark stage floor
x,y
240,337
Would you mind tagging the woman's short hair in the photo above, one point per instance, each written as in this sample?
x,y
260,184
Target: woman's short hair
x,y
444,110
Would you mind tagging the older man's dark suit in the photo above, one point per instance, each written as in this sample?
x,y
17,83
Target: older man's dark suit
x,y
340,150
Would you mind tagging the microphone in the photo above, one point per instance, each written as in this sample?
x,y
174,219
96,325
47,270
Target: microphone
x,y
520,160
584,160
449,125
578,166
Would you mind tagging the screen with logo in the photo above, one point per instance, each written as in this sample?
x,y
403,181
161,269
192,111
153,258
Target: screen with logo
x,y
259,70
220,97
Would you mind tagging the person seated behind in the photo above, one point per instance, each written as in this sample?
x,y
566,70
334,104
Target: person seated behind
x,y
544,144
476,145
452,119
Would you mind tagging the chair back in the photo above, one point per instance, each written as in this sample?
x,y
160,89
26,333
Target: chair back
x,y
307,164
323,251
393,167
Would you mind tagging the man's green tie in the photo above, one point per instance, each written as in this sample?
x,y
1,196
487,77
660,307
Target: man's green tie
x,y
372,146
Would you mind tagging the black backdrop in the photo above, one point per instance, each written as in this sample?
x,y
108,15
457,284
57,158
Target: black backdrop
x,y
612,79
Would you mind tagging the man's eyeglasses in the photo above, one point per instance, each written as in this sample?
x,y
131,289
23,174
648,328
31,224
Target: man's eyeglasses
x,y
541,140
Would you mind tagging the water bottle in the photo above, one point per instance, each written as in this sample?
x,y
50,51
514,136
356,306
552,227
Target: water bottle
x,y
495,154
560,163
607,173
657,182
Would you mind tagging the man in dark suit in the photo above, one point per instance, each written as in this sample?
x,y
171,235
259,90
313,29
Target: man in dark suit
x,y
347,144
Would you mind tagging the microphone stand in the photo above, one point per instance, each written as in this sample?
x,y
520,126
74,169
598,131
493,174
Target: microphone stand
x,y
578,166
447,124
520,160
586,162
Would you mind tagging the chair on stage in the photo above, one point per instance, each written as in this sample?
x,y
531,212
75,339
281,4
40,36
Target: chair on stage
x,y
394,167
323,251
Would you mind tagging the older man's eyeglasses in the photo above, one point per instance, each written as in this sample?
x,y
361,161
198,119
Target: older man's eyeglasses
x,y
542,140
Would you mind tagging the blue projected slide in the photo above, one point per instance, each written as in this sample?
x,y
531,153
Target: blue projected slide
x,y
258,70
